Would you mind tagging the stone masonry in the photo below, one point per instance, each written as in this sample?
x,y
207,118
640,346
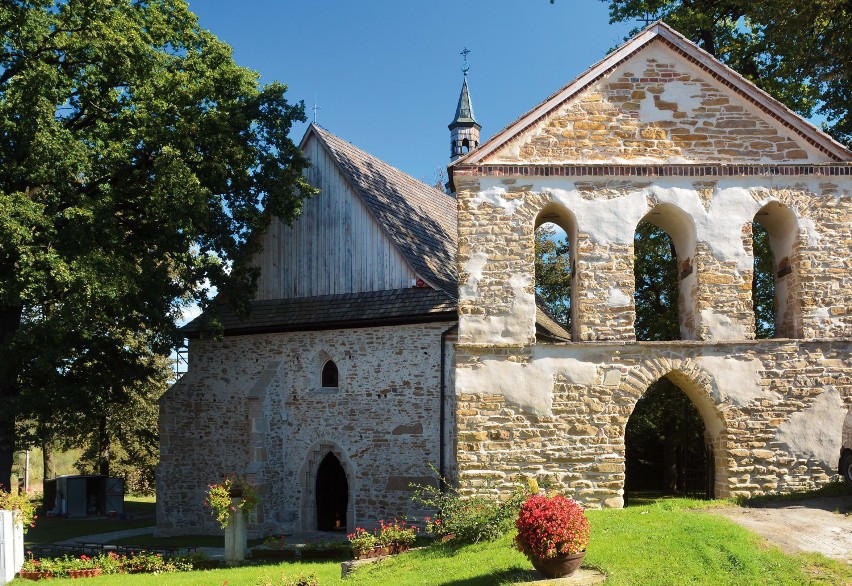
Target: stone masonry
x,y
258,400
658,132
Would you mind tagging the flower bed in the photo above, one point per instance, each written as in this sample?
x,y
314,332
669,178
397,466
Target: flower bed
x,y
107,563
387,539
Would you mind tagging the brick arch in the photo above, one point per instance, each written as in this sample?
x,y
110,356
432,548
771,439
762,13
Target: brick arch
x,y
307,482
696,384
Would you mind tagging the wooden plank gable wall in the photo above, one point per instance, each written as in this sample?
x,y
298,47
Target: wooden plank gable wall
x,y
335,246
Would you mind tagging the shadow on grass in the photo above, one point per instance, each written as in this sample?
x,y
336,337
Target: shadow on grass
x,y
510,576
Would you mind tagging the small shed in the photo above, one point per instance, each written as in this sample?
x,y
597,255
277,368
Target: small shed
x,y
84,495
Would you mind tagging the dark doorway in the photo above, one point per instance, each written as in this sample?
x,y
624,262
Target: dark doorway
x,y
665,446
332,495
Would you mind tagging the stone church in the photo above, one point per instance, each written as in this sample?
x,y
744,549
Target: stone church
x,y
396,328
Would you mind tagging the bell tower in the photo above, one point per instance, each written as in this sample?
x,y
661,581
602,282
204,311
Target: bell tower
x,y
464,130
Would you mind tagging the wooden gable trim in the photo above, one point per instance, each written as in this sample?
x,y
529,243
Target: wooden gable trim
x,y
692,53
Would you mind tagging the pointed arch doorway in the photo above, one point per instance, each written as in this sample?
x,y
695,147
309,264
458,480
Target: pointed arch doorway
x,y
332,495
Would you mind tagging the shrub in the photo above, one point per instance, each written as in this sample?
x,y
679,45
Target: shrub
x,y
21,506
551,525
468,518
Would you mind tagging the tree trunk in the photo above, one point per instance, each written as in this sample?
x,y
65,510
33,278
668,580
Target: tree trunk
x,y
10,321
49,463
103,446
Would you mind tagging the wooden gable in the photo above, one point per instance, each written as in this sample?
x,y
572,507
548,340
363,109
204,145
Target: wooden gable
x,y
335,246
659,99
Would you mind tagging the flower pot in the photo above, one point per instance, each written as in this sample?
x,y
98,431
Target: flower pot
x,y
87,573
35,575
560,566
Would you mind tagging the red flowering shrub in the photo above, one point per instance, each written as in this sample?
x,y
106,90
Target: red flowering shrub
x,y
551,525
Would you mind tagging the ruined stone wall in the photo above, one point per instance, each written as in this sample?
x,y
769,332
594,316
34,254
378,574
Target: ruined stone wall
x,y
254,405
498,215
773,410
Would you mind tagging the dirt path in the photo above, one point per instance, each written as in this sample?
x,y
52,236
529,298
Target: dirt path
x,y
822,525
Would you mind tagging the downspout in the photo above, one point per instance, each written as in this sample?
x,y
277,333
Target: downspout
x,y
443,409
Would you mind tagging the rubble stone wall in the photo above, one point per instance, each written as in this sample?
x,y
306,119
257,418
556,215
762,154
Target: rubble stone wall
x,y
254,405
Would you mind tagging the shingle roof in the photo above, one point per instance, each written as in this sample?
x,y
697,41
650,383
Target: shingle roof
x,y
419,219
392,307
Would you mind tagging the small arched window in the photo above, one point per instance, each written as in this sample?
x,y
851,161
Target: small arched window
x,y
329,375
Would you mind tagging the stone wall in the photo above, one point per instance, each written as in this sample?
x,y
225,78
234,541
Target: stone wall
x,y
772,409
498,215
254,405
658,107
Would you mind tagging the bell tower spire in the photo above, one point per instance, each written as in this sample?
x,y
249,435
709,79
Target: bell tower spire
x,y
464,130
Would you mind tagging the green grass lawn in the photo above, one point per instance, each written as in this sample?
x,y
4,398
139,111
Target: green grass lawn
x,y
53,529
661,543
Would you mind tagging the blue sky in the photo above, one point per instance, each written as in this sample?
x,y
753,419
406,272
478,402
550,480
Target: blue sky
x,y
387,75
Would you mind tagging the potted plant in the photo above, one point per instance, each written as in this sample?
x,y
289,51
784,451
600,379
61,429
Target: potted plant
x,y
219,498
363,543
553,533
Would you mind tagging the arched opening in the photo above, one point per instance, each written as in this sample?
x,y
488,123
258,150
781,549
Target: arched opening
x,y
667,446
555,263
465,145
776,309
332,495
665,279
329,378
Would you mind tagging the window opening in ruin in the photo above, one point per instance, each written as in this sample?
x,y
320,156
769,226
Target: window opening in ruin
x,y
553,272
666,451
763,283
332,495
329,375
657,284
777,307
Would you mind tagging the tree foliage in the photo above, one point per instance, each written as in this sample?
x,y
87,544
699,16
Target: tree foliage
x,y
799,52
138,160
553,272
657,284
763,284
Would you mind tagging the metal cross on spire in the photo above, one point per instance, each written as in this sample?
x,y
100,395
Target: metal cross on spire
x,y
315,108
465,67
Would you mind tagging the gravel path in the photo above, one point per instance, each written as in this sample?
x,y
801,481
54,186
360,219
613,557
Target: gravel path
x,y
822,525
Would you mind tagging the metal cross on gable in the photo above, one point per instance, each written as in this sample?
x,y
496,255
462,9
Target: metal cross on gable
x,y
315,108
465,67
647,18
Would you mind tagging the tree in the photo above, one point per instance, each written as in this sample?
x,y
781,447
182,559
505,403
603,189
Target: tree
x,y
138,161
657,284
763,284
799,52
553,273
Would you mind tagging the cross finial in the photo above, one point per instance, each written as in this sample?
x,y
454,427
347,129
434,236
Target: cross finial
x,y
647,18
464,54
315,108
